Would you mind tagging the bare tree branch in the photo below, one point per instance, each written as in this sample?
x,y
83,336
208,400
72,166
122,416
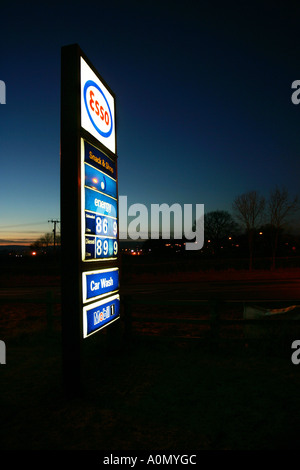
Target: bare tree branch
x,y
280,207
280,210
249,210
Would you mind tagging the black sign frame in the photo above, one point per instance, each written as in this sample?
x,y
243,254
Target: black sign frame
x,y
72,264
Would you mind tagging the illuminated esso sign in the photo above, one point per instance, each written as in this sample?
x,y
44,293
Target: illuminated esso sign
x,y
97,107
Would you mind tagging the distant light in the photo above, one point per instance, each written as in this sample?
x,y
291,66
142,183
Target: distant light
x,y
260,233
33,253
229,238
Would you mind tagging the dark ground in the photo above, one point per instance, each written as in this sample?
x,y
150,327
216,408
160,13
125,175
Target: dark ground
x,y
154,396
156,392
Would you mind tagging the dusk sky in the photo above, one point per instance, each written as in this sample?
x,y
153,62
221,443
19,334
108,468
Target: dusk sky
x,y
203,101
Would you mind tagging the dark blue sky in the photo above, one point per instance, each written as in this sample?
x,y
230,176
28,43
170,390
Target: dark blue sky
x,y
204,110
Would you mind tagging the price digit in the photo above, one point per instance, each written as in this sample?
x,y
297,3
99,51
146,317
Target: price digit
x,y
99,247
98,225
115,228
105,225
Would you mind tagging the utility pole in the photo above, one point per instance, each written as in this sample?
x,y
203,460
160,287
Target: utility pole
x,y
54,221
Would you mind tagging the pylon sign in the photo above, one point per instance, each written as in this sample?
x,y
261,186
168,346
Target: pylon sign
x,y
89,201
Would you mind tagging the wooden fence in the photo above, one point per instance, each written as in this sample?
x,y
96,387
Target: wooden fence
x,y
271,327
214,323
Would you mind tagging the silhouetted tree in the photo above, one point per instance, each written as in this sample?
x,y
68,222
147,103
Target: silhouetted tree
x,y
249,210
218,226
45,241
280,208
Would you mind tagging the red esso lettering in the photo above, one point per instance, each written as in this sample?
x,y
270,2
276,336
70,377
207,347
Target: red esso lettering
x,y
98,109
91,100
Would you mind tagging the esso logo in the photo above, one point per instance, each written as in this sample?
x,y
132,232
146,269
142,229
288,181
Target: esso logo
x,y
98,108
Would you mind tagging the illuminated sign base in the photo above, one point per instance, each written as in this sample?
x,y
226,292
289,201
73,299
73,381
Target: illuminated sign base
x,y
97,315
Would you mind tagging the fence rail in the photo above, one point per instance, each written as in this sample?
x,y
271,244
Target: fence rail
x,y
250,328
213,321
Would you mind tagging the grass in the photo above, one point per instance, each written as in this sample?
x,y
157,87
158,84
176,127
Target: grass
x,y
154,393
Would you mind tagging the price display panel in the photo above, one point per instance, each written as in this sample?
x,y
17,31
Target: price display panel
x,y
99,204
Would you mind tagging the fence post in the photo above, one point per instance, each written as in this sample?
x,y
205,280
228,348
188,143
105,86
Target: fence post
x,y
127,318
49,310
214,323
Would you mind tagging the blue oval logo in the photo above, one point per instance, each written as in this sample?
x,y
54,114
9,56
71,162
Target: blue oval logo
x,y
98,109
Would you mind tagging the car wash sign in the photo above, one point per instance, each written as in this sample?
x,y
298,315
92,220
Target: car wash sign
x,y
89,200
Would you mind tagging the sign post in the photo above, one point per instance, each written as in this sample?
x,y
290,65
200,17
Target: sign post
x,y
89,209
